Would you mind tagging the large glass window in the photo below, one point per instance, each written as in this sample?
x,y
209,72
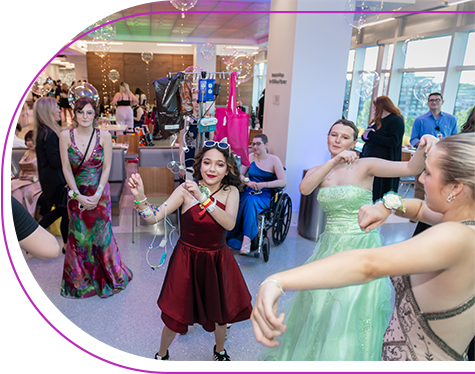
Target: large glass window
x,y
427,53
349,77
415,87
469,55
465,96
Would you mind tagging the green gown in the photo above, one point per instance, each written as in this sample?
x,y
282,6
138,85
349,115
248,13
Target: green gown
x,y
340,324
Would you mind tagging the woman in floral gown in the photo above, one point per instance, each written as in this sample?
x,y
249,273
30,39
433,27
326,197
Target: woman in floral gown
x,y
92,265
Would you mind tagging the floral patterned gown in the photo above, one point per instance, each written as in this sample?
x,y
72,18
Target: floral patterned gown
x,y
92,264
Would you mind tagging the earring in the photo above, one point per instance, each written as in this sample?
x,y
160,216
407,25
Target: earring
x,y
450,198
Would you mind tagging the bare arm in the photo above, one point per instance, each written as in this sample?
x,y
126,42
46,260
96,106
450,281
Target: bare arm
x,y
41,244
115,99
133,98
226,218
317,174
176,199
279,171
436,249
389,169
372,216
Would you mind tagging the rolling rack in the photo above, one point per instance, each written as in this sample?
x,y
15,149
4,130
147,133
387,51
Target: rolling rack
x,y
208,90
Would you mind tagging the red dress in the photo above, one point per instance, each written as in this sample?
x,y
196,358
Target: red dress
x,y
203,283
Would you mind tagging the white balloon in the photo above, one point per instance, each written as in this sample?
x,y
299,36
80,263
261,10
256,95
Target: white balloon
x,y
360,19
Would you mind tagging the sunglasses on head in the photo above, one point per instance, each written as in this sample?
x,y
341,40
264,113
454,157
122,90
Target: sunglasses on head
x,y
220,145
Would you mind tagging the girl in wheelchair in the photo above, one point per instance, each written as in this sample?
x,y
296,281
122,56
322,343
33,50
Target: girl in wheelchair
x,y
266,172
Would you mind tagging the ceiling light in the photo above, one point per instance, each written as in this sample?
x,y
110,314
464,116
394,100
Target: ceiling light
x,y
173,45
378,22
459,2
110,43
244,47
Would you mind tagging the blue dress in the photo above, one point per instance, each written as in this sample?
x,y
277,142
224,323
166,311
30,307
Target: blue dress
x,y
250,206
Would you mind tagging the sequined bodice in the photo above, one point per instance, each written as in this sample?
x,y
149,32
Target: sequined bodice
x,y
342,204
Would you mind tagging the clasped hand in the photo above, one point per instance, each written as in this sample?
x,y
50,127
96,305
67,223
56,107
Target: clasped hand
x,y
193,189
87,202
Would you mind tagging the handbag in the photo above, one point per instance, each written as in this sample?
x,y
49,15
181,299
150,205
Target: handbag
x,y
63,199
233,124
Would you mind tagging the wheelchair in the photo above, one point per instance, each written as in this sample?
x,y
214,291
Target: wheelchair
x,y
277,217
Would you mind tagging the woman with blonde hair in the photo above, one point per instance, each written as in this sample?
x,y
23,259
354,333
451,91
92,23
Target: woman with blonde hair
x,y
432,273
124,114
46,113
383,139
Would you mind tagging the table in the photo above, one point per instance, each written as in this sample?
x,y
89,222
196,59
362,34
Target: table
x,y
112,127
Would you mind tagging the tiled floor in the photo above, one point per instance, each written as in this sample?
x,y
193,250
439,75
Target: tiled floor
x,y
133,318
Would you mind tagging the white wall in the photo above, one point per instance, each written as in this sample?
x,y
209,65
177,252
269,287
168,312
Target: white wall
x,y
311,50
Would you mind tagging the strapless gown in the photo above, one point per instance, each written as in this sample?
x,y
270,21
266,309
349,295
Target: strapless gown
x,y
340,324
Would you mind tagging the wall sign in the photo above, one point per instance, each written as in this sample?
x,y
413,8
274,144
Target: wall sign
x,y
276,78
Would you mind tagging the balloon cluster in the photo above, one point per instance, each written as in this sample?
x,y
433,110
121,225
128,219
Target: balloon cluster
x,y
82,89
359,19
240,62
101,36
147,56
208,51
114,75
42,85
367,81
424,87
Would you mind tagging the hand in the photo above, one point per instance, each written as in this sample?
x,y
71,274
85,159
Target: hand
x,y
136,186
87,202
347,157
253,185
182,173
365,134
265,324
372,216
193,189
427,141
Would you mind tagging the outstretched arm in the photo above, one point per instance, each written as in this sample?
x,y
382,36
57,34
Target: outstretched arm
x,y
378,167
175,200
372,216
436,249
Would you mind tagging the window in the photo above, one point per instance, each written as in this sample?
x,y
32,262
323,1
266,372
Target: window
x,y
364,106
349,76
427,53
465,96
470,56
415,88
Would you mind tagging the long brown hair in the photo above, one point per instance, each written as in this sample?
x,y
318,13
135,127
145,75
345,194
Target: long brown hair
x,y
383,103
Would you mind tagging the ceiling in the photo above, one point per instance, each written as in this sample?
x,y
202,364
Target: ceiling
x,y
219,28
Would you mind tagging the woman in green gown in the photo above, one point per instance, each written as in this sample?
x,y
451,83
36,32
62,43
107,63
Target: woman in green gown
x,y
347,323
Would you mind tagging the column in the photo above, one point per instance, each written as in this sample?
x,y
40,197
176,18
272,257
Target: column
x,y
306,78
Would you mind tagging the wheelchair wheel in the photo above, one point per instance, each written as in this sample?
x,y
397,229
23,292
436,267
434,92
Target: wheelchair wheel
x,y
281,221
266,248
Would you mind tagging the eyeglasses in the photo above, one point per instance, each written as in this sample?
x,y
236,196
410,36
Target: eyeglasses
x,y
256,144
258,192
220,145
89,112
434,100
437,128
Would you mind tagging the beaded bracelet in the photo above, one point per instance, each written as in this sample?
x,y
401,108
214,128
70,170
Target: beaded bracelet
x,y
273,280
141,201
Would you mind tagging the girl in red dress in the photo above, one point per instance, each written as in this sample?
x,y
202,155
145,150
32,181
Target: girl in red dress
x,y
203,283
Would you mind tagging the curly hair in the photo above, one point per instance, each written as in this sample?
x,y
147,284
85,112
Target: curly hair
x,y
232,177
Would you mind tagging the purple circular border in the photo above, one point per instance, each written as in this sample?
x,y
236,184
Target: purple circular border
x,y
34,334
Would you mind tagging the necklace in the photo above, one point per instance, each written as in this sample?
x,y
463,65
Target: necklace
x,y
83,142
